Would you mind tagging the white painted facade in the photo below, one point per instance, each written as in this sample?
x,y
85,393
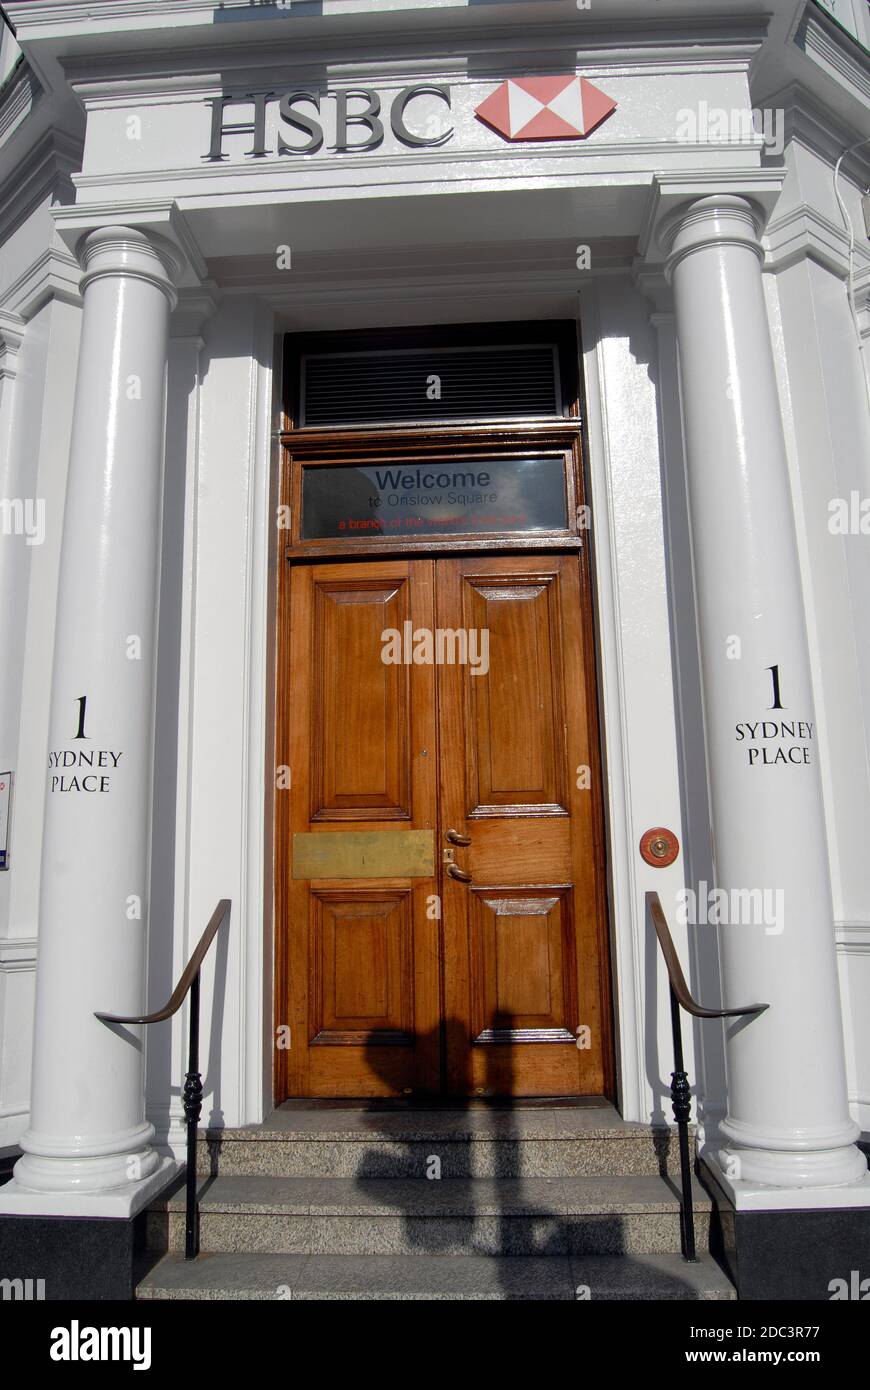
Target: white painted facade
x,y
105,122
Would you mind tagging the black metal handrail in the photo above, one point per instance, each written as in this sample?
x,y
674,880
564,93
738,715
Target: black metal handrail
x,y
193,1081
681,1095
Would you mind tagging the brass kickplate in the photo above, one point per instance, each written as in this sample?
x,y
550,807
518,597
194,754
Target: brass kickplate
x,y
364,854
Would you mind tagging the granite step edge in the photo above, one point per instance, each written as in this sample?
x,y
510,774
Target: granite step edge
x,y
433,1277
388,1196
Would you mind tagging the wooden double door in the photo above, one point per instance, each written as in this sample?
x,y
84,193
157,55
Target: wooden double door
x,y
440,897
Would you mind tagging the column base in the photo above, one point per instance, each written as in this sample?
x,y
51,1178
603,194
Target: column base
x,y
759,1196
99,1165
801,1244
121,1202
814,1159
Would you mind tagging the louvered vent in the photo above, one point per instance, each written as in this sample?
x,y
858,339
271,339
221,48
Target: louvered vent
x,y
363,388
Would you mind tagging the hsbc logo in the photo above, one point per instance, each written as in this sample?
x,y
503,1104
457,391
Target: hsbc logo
x,y
545,108
353,120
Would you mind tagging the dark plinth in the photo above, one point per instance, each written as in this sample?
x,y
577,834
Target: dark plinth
x,y
8,1160
76,1257
808,1255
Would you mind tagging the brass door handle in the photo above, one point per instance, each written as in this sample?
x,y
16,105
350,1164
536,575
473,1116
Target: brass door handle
x,y
458,873
454,838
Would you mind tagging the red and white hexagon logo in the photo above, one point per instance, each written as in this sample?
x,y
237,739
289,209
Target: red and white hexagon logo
x,y
545,108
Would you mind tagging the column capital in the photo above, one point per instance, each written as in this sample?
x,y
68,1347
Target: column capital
x,y
165,228
127,253
719,219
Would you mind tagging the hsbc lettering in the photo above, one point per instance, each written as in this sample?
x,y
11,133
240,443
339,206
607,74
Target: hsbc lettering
x,y
358,107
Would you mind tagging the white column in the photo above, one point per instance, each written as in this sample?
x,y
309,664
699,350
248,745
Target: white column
x,y
17,511
88,1132
788,1121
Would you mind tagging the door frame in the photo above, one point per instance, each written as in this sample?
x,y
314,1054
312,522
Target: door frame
x,y
453,441
282,816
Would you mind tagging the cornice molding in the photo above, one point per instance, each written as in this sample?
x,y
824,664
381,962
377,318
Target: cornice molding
x,y
12,328
812,125
445,164
159,89
47,170
355,21
803,231
18,99
200,72
55,274
823,41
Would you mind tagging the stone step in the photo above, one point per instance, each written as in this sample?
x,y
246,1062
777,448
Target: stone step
x,y
410,1216
435,1277
533,1142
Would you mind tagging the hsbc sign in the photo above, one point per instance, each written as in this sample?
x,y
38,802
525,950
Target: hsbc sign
x,y
299,115
545,108
522,108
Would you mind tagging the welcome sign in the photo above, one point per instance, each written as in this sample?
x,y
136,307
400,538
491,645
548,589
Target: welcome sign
x,y
435,498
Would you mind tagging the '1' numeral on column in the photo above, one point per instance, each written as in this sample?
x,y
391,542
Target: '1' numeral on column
x,y
774,671
82,704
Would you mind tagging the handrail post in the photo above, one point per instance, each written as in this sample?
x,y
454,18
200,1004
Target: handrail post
x,y
681,1095
192,1112
681,1099
192,1092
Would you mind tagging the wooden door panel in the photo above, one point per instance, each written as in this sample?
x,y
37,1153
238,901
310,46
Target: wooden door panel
x,y
522,966
515,721
362,954
358,961
525,978
361,733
